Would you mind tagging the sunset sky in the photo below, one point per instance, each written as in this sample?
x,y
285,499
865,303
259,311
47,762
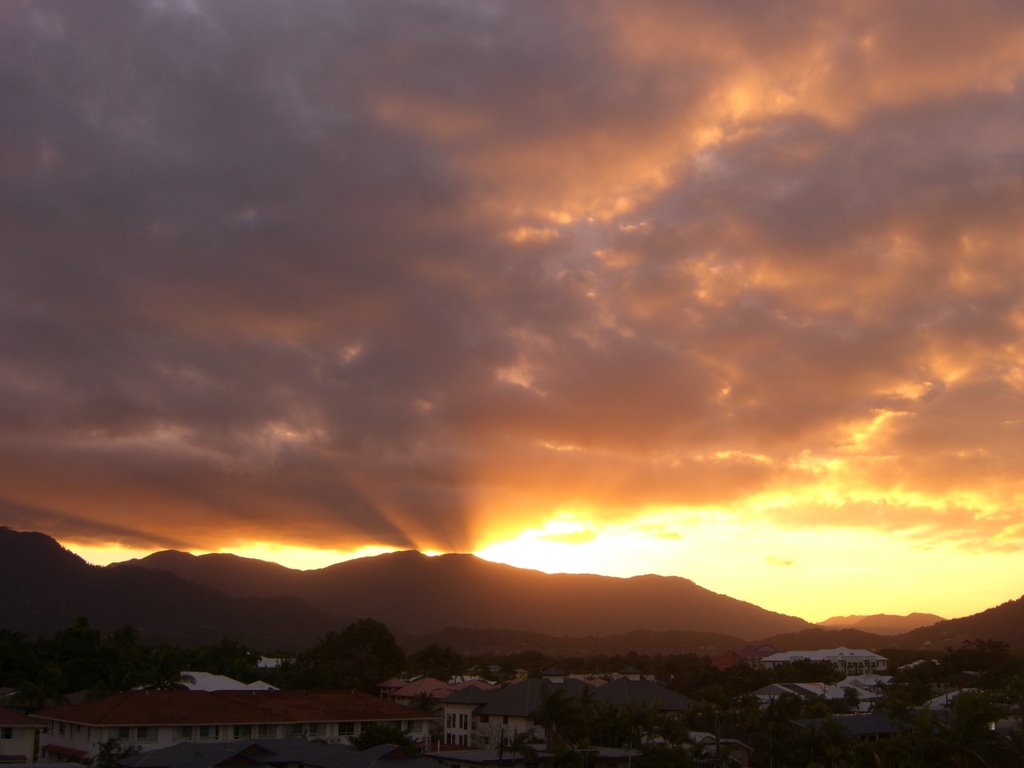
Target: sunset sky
x,y
727,290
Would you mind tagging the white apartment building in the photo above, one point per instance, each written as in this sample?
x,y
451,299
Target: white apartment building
x,y
849,661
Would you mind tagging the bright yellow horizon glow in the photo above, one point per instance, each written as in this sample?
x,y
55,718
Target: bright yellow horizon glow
x,y
811,573
814,573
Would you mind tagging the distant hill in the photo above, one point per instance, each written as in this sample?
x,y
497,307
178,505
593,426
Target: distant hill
x,y
1003,622
882,623
820,637
46,588
416,594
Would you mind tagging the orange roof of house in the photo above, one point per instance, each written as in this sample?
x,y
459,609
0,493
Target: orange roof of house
x,y
177,707
60,749
428,685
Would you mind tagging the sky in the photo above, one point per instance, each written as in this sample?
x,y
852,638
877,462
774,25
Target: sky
x,y
722,289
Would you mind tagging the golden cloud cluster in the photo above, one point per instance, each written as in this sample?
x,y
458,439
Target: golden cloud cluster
x,y
429,274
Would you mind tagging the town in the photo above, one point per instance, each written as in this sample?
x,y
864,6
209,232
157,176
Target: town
x,y
355,698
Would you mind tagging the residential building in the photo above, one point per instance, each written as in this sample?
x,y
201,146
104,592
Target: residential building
x,y
774,691
710,749
861,691
17,737
849,661
207,681
146,720
749,655
275,754
411,692
864,727
486,719
491,757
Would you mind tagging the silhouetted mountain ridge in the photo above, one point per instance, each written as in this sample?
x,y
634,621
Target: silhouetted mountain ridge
x,y
882,623
47,587
417,594
1004,623
456,600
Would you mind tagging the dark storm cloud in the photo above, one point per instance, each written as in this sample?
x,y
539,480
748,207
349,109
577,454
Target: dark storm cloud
x,y
392,271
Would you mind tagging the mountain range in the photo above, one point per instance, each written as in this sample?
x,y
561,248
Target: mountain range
x,y
457,600
414,593
882,623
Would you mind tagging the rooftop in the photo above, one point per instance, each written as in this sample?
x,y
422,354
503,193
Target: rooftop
x,y
177,707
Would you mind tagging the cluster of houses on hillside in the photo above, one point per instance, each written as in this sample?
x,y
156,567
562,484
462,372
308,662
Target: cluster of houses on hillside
x,y
462,723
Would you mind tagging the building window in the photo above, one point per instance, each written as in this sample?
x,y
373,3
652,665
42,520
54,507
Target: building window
x,y
145,733
243,731
295,731
123,733
316,731
6,733
346,729
182,733
485,718
208,732
266,731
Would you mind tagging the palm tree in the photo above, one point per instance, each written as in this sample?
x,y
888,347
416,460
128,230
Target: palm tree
x,y
46,689
556,713
518,744
969,735
165,672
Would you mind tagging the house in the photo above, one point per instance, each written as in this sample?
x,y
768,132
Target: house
x,y
206,681
849,661
947,699
478,718
146,720
410,693
749,655
625,692
491,757
774,691
483,719
17,737
709,749
860,691
275,754
865,727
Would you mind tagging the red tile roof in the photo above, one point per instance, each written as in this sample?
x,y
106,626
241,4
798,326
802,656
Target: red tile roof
x,y
429,685
176,707
62,751
8,718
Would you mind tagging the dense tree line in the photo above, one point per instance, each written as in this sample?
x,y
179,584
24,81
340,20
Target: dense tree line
x,y
82,658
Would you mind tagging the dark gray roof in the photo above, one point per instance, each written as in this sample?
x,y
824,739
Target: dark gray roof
x,y
468,695
485,756
522,699
869,724
624,691
272,752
